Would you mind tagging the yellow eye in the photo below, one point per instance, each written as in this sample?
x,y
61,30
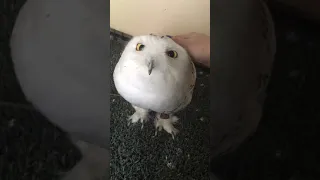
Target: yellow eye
x,y
172,54
139,47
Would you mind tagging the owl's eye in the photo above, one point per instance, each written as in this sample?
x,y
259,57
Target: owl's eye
x,y
172,54
139,47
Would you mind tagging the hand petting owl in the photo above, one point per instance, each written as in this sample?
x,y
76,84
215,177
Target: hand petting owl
x,y
155,74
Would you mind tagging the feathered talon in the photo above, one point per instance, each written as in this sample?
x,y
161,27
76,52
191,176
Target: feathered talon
x,y
140,114
166,122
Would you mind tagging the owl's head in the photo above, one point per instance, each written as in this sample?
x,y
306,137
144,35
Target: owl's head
x,y
154,54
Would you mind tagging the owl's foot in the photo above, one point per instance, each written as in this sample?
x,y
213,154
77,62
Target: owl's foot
x,y
166,122
140,114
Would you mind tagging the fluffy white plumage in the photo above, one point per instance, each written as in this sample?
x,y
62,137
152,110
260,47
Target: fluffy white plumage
x,y
169,86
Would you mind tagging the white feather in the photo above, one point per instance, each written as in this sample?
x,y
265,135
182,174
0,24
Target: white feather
x,y
168,88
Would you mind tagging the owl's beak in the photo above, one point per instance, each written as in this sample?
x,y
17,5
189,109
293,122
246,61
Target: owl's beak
x,y
150,66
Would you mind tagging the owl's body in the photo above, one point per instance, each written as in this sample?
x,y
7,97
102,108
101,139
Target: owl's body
x,y
169,86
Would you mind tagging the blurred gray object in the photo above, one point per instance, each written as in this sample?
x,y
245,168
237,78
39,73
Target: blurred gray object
x,y
60,53
243,60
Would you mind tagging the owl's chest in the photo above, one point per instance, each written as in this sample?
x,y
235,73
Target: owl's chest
x,y
147,92
158,91
140,82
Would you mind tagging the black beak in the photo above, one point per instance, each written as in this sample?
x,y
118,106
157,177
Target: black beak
x,y
150,66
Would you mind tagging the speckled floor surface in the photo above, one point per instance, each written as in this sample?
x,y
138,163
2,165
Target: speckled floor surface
x,y
284,148
137,155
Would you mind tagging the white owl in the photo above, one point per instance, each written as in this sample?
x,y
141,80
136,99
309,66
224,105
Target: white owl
x,y
155,74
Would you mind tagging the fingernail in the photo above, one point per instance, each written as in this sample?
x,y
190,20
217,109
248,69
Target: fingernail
x,y
169,36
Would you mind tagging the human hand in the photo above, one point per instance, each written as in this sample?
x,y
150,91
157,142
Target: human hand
x,y
197,45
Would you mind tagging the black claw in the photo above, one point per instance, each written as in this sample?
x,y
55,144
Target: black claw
x,y
152,115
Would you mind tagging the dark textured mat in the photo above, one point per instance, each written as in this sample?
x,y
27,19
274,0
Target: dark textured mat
x,y
137,155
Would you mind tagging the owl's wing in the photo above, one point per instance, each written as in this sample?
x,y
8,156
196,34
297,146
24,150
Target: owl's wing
x,y
190,84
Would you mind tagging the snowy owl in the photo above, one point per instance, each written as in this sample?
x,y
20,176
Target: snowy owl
x,y
155,74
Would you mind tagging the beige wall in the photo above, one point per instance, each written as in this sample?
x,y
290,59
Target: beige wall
x,y
166,17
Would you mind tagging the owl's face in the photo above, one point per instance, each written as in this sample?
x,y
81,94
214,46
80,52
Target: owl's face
x,y
154,54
